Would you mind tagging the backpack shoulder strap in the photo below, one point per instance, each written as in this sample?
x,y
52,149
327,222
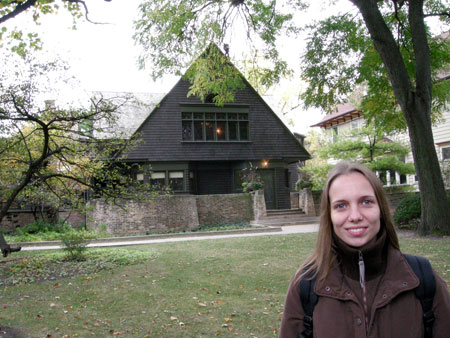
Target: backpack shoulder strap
x,y
426,289
309,300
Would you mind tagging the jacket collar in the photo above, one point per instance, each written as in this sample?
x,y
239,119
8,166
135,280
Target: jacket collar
x,y
374,255
398,277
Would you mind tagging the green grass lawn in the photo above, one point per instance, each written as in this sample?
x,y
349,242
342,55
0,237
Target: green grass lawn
x,y
226,288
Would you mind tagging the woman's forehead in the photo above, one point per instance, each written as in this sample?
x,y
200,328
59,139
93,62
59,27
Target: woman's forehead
x,y
351,184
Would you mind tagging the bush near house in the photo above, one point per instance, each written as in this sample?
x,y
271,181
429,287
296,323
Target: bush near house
x,y
408,210
39,231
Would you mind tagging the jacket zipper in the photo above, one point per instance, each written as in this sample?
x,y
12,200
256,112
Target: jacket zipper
x,y
362,281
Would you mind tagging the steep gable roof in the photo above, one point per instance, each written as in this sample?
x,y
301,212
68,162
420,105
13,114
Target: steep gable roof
x,y
161,132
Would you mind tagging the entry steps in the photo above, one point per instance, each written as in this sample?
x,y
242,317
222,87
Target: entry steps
x,y
285,217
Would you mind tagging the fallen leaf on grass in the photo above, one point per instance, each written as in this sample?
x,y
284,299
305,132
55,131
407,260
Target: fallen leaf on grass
x,y
201,304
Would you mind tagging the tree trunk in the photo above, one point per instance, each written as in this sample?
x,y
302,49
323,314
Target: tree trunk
x,y
435,211
416,106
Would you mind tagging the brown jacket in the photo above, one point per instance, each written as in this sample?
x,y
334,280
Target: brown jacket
x,y
395,311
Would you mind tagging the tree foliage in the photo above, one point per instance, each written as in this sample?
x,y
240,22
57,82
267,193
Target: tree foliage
x,y
369,145
46,152
174,32
366,145
341,56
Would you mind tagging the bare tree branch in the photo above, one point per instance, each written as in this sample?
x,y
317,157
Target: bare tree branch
x,y
447,14
22,6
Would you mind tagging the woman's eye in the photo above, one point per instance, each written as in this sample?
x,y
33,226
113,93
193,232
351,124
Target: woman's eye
x,y
339,206
367,202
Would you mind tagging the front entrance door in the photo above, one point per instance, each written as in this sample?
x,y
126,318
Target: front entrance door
x,y
268,177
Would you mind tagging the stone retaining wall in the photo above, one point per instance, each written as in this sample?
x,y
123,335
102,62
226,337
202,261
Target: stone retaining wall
x,y
226,208
19,217
306,202
170,213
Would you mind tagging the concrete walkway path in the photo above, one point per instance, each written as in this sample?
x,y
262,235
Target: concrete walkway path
x,y
154,239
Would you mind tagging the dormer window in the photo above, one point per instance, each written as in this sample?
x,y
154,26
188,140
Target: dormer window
x,y
209,123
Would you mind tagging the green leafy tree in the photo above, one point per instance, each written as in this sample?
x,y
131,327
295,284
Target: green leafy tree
x,y
316,169
384,44
46,156
369,146
172,33
366,145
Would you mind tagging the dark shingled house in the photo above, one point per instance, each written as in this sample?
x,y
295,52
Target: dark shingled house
x,y
201,148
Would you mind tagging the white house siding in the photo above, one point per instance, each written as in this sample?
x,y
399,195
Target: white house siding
x,y
441,134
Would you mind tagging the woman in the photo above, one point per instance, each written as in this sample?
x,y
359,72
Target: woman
x,y
365,286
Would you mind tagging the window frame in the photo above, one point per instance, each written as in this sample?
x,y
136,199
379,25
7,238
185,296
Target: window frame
x,y
194,116
445,154
169,184
152,180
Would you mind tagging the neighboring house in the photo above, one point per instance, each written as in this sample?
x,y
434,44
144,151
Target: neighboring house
x,y
441,132
346,117
200,148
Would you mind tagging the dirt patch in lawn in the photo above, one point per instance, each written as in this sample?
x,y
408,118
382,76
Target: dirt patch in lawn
x,y
10,332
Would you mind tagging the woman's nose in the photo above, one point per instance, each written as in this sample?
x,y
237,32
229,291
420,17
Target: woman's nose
x,y
355,215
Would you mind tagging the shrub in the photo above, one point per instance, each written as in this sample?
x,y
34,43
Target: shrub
x,y
407,209
75,244
251,186
410,208
251,179
41,226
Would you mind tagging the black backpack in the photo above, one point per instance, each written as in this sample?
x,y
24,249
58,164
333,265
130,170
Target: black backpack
x,y
424,292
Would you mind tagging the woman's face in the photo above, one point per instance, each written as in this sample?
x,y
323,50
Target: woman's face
x,y
355,212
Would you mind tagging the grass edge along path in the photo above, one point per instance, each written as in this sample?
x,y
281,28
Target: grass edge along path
x,y
227,287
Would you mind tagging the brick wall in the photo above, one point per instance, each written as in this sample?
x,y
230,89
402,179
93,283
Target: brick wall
x,y
395,198
316,197
165,214
75,218
170,213
14,220
294,200
227,208
18,218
